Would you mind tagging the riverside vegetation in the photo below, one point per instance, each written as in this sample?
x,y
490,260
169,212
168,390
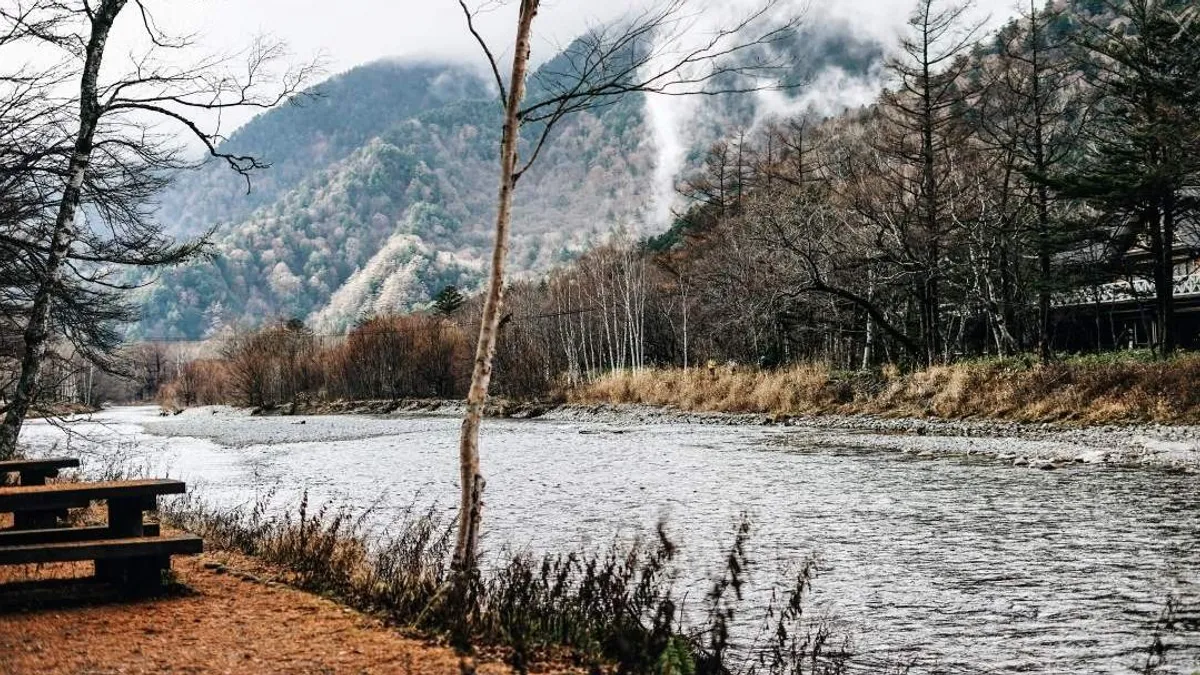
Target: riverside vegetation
x,y
426,357
610,612
614,611
1087,389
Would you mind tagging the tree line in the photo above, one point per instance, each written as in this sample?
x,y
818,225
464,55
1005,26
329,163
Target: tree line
x,y
998,177
998,174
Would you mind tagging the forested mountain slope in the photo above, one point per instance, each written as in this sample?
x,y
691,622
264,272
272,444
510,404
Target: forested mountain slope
x,y
382,187
313,131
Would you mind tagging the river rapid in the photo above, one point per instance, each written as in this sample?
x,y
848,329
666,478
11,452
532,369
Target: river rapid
x,y
963,563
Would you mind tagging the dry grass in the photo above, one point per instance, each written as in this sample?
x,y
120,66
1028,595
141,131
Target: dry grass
x,y
1092,389
232,615
613,611
799,389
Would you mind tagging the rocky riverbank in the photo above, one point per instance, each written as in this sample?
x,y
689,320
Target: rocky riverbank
x,y
1034,445
1041,445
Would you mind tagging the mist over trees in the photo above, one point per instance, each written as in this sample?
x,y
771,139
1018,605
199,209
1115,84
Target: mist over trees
x,y
996,175
985,205
385,180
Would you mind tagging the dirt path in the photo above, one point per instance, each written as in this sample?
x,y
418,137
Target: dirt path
x,y
230,619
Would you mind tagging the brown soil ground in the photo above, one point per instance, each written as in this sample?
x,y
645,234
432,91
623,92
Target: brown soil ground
x,y
228,615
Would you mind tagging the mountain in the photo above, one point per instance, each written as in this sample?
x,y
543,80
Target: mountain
x,y
382,186
323,126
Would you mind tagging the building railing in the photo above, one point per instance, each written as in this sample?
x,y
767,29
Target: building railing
x,y
1117,292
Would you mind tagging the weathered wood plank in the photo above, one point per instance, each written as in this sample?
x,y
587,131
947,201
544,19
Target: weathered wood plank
x,y
46,464
60,535
71,495
35,471
103,549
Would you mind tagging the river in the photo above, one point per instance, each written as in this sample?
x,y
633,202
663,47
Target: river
x,y
965,564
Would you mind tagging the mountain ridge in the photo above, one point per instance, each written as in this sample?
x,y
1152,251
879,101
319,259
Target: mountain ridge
x,y
399,156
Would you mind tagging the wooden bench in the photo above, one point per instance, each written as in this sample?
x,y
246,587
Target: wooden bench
x,y
58,535
35,472
127,561
126,550
122,495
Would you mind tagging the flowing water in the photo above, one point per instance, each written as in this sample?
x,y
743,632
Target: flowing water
x,y
964,564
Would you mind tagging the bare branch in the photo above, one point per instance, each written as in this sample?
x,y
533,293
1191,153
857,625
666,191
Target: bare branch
x,y
486,51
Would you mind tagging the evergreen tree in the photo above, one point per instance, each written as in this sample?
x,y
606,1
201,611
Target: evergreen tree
x,y
1140,170
448,300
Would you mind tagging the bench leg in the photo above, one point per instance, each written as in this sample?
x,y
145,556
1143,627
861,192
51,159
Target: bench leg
x,y
148,574
38,520
145,574
110,571
125,516
141,574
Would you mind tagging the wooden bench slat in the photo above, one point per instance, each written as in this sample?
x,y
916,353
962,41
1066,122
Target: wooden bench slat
x,y
59,535
70,495
102,549
45,464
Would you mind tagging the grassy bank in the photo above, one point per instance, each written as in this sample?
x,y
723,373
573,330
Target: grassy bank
x,y
1118,388
611,612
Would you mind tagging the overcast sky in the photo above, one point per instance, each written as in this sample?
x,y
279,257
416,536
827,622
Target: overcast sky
x,y
346,33
351,32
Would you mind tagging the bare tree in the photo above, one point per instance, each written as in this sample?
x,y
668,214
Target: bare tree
x,y
1031,113
921,128
111,162
642,54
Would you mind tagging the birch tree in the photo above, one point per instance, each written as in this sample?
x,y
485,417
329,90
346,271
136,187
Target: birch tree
x,y
644,54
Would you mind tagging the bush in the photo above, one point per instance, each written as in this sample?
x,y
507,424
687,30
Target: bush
x,y
389,357
200,382
399,356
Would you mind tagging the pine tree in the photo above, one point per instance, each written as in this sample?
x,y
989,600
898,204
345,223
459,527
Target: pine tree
x,y
448,300
1142,165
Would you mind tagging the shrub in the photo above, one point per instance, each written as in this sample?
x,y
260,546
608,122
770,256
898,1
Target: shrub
x,y
199,382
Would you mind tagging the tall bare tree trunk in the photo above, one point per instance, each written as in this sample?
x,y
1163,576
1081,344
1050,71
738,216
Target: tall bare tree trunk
x,y
37,330
1045,349
471,502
